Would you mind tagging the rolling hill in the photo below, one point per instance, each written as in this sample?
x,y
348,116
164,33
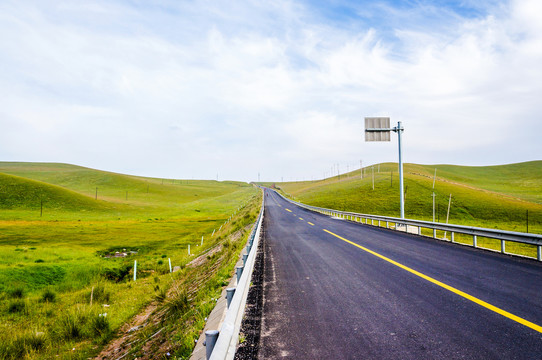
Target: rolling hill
x,y
489,196
65,188
63,268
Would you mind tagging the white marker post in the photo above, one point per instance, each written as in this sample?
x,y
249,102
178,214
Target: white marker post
x,y
448,213
170,265
202,240
213,234
188,249
135,270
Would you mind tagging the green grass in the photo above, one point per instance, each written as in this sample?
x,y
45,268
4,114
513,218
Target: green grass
x,y
494,196
523,180
55,235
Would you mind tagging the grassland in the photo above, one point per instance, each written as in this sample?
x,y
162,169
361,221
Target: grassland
x,y
492,196
59,226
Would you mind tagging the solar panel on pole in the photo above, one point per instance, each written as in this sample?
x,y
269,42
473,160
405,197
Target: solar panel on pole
x,y
377,129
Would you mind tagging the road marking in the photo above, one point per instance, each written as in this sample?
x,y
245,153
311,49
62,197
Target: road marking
x,y
289,210
310,223
447,287
300,218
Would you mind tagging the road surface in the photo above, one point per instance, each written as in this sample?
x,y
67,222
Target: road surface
x,y
334,289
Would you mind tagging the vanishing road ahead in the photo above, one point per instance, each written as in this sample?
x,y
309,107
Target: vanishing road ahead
x,y
334,289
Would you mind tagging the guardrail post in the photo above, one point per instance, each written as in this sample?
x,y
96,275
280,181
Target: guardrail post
x,y
503,247
387,226
474,241
245,256
539,253
419,230
239,271
229,295
210,340
378,223
434,233
452,237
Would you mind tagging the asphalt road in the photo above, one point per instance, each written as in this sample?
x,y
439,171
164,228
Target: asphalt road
x,y
334,289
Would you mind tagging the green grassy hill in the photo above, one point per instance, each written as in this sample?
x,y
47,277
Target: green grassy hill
x,y
491,196
20,193
51,263
523,180
66,188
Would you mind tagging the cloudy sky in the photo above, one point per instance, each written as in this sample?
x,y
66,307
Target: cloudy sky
x,y
192,89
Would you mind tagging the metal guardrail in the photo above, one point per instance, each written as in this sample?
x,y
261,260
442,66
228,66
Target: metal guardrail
x,y
228,336
402,224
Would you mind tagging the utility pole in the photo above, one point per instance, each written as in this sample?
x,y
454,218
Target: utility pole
x,y
373,171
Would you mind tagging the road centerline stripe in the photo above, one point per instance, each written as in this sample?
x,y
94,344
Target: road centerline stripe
x,y
446,286
310,223
288,210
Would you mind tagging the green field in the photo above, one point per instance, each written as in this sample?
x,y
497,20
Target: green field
x,y
60,227
493,196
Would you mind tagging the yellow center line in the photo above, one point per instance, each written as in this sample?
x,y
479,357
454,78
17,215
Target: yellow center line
x,y
447,287
289,210
310,223
300,218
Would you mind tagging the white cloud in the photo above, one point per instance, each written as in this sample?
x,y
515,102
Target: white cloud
x,y
195,88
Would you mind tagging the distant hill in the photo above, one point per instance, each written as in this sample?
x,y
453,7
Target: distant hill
x,y
20,193
491,196
65,187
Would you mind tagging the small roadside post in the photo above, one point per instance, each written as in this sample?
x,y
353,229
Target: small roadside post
x,y
378,129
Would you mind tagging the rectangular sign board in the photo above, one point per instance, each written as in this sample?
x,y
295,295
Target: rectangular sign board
x,y
377,129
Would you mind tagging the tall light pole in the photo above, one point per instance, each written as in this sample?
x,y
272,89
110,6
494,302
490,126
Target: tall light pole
x,y
378,129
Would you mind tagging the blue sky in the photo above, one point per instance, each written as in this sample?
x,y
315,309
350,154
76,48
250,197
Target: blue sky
x,y
193,89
